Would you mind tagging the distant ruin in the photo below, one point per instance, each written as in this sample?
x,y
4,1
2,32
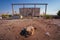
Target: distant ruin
x,y
33,12
29,12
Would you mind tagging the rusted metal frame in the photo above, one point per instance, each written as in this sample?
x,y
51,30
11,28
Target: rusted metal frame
x,y
30,4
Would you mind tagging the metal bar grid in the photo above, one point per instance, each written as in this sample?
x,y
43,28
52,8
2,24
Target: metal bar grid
x,y
30,4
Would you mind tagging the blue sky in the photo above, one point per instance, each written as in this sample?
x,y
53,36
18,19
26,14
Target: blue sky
x,y
53,5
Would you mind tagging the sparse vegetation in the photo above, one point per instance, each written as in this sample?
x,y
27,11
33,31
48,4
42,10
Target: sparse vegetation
x,y
6,16
16,15
48,17
58,13
10,15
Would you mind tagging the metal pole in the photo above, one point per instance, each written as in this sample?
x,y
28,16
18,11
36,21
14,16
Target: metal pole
x,y
12,10
34,10
23,6
45,9
23,9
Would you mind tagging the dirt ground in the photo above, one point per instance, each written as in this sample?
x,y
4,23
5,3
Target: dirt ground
x,y
46,29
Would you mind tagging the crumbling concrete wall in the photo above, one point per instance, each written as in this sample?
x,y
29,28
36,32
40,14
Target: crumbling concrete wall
x,y
29,11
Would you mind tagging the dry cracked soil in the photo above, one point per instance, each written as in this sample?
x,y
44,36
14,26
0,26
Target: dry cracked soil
x,y
46,29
